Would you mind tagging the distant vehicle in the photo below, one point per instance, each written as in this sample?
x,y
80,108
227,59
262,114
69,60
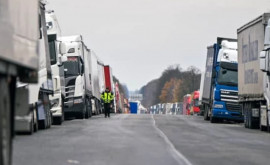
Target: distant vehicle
x,y
194,106
179,108
54,37
186,104
18,60
201,92
167,108
78,87
220,92
37,115
254,71
134,106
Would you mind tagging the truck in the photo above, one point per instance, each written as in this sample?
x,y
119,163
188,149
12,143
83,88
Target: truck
x,y
108,75
186,104
54,37
37,115
194,105
220,91
18,60
101,81
253,71
134,107
78,89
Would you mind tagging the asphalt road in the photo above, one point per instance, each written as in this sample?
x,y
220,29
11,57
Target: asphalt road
x,y
145,140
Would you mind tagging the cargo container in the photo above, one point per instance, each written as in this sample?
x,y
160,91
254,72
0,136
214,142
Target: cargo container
x,y
133,107
19,33
253,85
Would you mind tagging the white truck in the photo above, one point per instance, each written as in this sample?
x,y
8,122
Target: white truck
x,y
253,84
18,60
78,89
37,114
54,37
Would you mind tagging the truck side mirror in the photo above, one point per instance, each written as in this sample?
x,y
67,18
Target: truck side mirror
x,y
63,48
267,34
263,61
61,60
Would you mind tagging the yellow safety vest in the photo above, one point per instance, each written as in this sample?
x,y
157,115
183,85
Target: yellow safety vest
x,y
107,97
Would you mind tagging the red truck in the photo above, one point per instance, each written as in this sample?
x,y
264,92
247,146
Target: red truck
x,y
195,109
186,104
109,82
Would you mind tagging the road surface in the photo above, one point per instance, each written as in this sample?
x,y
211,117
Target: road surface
x,y
143,139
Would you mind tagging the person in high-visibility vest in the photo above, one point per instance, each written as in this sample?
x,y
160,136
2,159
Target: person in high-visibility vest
x,y
107,97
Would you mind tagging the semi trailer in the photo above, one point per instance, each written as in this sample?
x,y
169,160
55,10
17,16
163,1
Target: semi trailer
x,y
18,60
253,71
37,115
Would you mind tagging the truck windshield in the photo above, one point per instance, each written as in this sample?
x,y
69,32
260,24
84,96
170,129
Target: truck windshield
x,y
196,102
73,66
227,77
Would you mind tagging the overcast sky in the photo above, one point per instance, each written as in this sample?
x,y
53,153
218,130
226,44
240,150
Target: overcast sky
x,y
141,38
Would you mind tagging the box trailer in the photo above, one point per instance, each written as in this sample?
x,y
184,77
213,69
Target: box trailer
x,y
253,83
18,60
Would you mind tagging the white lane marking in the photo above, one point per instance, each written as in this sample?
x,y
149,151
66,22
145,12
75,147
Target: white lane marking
x,y
180,158
73,161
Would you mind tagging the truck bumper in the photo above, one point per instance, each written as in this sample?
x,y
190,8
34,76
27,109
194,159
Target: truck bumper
x,y
225,114
56,101
22,123
76,106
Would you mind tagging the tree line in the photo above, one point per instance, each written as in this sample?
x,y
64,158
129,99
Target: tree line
x,y
171,86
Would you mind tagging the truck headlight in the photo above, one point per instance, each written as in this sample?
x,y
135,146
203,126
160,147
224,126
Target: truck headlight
x,y
218,106
77,101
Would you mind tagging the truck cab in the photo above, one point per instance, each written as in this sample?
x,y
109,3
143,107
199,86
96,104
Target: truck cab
x,y
224,82
186,104
195,109
54,34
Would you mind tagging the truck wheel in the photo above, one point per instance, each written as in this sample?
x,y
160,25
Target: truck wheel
x,y
57,120
5,123
81,114
205,115
213,119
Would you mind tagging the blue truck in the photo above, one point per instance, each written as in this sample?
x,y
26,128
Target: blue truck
x,y
220,87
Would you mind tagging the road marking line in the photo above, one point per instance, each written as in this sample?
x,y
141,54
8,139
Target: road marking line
x,y
180,158
73,161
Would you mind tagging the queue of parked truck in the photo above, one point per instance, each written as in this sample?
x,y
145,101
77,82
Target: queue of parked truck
x,y
235,85
46,77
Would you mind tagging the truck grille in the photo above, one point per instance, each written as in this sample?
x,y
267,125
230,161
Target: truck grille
x,y
229,96
70,89
233,107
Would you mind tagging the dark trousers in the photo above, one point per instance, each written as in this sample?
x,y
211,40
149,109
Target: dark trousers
x,y
107,108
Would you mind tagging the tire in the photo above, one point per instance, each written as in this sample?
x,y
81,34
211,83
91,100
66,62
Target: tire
x,y
205,115
5,123
57,120
213,119
81,114
87,109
